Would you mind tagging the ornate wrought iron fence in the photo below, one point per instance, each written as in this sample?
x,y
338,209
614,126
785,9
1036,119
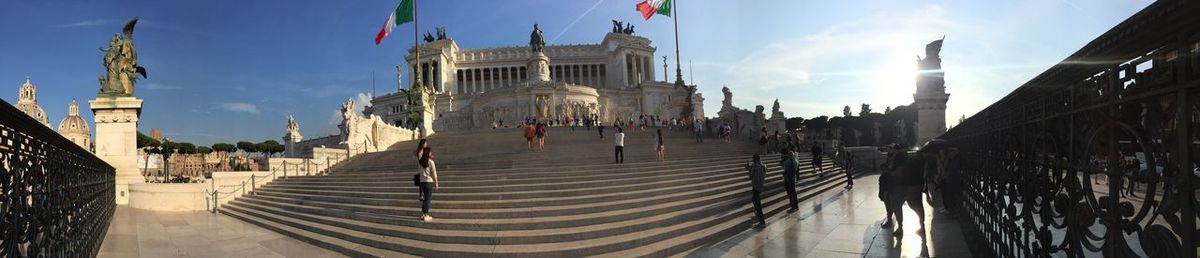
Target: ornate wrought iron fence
x,y
1097,155
56,198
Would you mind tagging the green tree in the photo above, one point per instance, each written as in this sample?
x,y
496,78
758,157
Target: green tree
x,y
203,149
247,147
225,147
187,148
793,123
270,147
864,110
144,141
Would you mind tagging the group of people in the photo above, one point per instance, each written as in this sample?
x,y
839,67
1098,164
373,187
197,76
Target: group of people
x,y
535,130
426,178
790,162
907,177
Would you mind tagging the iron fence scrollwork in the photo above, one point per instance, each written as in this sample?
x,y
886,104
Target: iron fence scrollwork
x,y
1097,155
56,198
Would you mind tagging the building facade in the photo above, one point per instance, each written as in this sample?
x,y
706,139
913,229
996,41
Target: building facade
x,y
479,88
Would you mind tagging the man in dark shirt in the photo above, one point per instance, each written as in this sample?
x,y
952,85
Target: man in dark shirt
x,y
758,173
816,158
789,163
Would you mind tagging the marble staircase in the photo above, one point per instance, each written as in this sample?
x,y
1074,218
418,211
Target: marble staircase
x,y
499,199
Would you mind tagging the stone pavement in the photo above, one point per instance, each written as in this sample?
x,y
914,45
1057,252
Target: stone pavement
x,y
844,224
140,233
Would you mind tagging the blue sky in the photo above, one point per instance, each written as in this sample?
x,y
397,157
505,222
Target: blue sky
x,y
223,71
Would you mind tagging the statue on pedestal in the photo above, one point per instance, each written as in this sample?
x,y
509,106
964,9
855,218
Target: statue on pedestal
x,y
536,42
120,61
775,109
728,102
441,33
293,129
349,119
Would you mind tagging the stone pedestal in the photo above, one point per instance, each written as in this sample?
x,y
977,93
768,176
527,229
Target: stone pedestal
x,y
427,117
931,115
289,144
116,139
539,67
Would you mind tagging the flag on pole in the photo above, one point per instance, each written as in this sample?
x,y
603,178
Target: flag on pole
x,y
402,14
650,7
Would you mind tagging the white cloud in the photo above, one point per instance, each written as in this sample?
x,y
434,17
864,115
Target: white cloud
x,y
84,23
239,107
801,61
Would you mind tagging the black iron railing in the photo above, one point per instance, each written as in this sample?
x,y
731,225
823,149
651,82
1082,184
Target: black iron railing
x,y
56,198
1097,155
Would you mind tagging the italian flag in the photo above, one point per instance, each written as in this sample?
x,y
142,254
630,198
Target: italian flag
x,y
650,7
402,14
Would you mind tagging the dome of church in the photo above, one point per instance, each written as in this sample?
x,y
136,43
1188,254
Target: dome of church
x,y
73,127
27,103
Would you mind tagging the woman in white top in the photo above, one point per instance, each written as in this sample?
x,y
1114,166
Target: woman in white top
x,y
429,180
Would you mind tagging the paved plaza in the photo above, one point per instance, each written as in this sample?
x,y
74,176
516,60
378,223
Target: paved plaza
x,y
844,224
141,233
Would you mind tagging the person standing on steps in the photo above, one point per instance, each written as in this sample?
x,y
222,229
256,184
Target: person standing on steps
x,y
541,136
429,181
848,168
619,153
529,133
600,128
762,142
660,147
758,174
421,146
816,159
789,163
698,129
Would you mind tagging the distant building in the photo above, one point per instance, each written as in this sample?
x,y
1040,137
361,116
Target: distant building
x,y
75,128
27,103
476,88
156,134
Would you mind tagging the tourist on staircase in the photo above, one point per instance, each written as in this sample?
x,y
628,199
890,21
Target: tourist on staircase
x,y
790,164
529,133
660,148
762,142
698,129
816,159
600,128
541,136
758,173
429,181
619,153
421,146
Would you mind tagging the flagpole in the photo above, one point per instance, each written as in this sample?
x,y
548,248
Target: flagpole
x,y
416,44
678,71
